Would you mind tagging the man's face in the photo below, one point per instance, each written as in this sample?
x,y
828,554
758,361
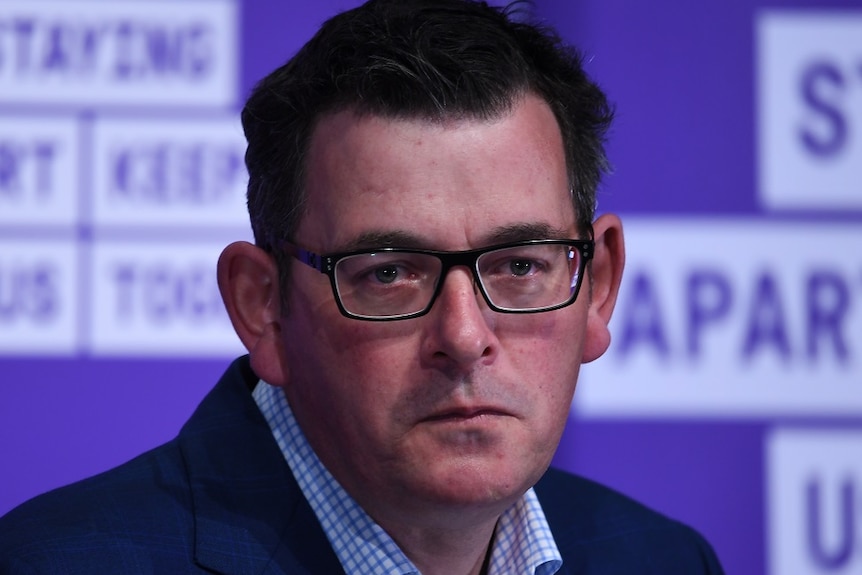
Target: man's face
x,y
462,408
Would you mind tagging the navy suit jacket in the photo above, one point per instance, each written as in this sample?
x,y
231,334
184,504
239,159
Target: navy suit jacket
x,y
221,499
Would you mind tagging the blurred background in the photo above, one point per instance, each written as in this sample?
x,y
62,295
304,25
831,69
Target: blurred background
x,y
732,395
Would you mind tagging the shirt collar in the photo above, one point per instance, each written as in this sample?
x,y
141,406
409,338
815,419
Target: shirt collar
x,y
523,542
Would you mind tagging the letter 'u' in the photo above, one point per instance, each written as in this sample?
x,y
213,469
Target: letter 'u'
x,y
840,555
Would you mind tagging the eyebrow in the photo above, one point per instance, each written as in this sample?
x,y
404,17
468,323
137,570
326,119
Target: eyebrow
x,y
382,239
525,231
499,235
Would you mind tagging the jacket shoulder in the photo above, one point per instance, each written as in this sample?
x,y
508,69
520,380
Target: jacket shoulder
x,y
599,530
124,513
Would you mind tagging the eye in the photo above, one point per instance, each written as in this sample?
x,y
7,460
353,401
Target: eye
x,y
520,267
386,274
514,263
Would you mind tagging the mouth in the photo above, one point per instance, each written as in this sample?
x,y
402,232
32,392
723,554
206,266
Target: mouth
x,y
467,414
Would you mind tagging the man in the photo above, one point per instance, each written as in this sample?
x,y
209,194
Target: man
x,y
426,281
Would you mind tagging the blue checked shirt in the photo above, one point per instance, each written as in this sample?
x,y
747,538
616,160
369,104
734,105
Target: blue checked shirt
x,y
523,544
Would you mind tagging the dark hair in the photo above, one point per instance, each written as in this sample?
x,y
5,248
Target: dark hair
x,y
425,59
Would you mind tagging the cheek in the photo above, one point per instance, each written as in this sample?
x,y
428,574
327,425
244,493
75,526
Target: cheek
x,y
353,363
552,343
547,355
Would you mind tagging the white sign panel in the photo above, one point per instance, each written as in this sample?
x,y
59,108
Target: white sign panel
x,y
814,497
38,170
134,52
183,173
733,318
158,299
38,297
809,74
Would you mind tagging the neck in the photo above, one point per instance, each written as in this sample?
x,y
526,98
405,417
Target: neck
x,y
449,551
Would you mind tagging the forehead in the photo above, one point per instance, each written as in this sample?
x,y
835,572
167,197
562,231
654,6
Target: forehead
x,y
447,185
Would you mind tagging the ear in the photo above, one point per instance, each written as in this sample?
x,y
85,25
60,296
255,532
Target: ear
x,y
248,282
606,271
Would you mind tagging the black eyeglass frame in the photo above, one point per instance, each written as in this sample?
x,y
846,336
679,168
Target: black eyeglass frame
x,y
325,264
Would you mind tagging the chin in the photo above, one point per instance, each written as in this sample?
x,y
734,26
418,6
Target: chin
x,y
478,484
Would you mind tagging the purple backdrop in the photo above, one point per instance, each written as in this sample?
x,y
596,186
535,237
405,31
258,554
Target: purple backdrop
x,y
684,80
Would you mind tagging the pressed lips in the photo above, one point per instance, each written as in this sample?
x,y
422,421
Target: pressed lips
x,y
466,413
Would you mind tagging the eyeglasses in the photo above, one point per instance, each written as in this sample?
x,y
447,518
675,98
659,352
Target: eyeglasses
x,y
394,283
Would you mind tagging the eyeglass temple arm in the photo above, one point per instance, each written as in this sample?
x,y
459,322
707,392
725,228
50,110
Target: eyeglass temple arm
x,y
310,259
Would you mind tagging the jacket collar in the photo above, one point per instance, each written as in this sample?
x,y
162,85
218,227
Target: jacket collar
x,y
250,515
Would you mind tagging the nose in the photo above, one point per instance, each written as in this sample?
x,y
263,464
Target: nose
x,y
460,325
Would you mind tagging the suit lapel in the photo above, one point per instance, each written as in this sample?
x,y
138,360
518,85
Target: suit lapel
x,y
568,504
250,515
